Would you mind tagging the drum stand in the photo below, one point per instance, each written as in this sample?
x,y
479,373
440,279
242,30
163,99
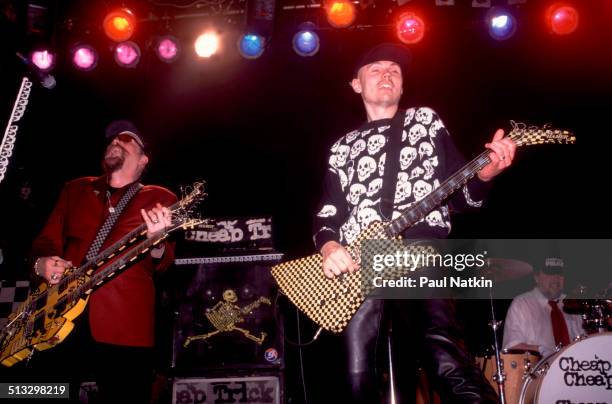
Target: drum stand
x,y
499,376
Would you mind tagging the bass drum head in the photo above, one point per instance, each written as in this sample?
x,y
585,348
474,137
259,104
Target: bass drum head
x,y
581,372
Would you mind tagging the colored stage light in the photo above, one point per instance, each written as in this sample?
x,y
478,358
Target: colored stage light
x,y
340,13
306,42
251,46
119,25
167,48
127,54
410,28
562,18
43,59
84,57
501,24
207,44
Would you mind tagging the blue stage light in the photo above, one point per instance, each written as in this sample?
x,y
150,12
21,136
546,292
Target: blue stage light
x,y
251,46
306,42
501,24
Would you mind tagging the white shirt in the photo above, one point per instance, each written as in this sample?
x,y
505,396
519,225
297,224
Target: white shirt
x,y
528,322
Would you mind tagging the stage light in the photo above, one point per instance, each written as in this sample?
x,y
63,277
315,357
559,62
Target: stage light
x,y
251,46
306,41
340,13
410,28
562,18
207,44
43,59
501,24
127,54
119,25
84,57
167,48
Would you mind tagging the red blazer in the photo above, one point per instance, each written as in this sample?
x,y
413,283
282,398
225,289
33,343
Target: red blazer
x,y
122,311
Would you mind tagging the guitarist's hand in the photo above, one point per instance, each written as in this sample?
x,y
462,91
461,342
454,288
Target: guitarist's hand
x,y
52,268
336,260
157,219
501,156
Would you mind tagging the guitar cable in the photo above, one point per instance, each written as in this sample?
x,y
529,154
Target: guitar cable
x,y
297,344
277,320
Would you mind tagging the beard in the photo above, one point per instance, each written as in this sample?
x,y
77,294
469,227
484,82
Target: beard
x,y
113,159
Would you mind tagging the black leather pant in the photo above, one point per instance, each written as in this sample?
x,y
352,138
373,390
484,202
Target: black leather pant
x,y
424,330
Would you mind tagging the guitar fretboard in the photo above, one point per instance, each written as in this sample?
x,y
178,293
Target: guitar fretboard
x,y
420,209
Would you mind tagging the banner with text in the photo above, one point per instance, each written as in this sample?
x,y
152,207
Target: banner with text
x,y
252,390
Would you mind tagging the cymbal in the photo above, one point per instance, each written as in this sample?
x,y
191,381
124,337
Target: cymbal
x,y
503,269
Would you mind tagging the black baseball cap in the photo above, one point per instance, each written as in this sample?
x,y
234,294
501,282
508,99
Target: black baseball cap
x,y
385,51
552,266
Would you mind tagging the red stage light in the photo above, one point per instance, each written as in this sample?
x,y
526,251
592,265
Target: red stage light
x,y
562,18
410,28
340,13
119,25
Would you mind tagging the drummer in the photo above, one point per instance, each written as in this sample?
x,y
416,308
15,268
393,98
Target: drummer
x,y
536,320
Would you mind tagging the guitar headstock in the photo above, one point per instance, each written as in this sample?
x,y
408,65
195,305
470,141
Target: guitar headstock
x,y
191,224
184,214
527,136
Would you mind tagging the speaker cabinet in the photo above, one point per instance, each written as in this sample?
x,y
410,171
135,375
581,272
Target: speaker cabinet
x,y
225,315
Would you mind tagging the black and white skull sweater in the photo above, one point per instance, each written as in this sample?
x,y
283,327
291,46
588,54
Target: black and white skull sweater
x,y
353,182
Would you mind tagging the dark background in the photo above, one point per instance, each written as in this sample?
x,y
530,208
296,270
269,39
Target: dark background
x,y
258,131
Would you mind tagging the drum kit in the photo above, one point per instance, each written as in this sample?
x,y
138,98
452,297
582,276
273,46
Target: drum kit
x,y
577,372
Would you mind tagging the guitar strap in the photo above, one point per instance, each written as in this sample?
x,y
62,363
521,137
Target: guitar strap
x,y
103,232
391,165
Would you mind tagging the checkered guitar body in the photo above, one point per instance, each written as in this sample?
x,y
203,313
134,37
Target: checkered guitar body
x,y
46,317
331,303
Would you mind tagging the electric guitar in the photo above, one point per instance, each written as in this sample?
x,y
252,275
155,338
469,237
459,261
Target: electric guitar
x,y
46,317
331,303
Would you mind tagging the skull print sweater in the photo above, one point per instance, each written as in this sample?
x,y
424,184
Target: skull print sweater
x,y
352,185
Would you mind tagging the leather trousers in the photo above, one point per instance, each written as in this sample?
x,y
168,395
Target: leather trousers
x,y
424,330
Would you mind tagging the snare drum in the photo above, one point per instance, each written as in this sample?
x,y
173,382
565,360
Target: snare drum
x,y
516,364
580,372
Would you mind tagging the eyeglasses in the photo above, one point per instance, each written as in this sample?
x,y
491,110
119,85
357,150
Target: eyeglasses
x,y
124,137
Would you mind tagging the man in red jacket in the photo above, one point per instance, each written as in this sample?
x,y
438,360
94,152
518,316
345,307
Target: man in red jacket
x,y
118,343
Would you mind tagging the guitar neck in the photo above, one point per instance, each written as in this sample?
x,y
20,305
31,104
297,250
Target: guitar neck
x,y
118,246
119,265
420,209
109,253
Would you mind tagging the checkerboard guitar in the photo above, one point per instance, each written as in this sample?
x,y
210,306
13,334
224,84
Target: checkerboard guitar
x,y
46,317
331,303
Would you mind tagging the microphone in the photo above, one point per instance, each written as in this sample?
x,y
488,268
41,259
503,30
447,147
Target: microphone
x,y
46,80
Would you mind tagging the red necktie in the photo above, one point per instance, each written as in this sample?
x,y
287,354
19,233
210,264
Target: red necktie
x,y
558,324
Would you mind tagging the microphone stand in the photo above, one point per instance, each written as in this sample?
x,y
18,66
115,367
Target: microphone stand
x,y
500,376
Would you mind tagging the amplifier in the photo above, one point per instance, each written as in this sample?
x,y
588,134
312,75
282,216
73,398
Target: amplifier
x,y
224,309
